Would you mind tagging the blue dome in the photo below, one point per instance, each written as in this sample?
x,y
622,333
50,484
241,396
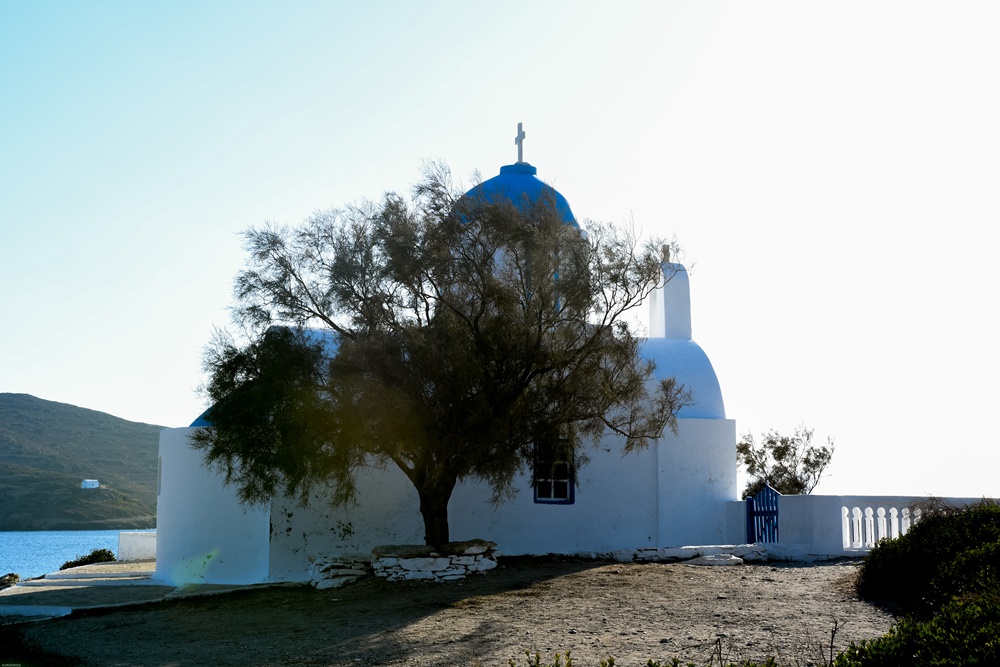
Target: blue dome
x,y
517,182
203,420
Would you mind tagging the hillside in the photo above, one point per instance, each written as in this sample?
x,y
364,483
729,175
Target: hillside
x,y
48,448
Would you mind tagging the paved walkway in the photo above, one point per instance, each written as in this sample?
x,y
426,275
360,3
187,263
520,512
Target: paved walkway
x,y
92,587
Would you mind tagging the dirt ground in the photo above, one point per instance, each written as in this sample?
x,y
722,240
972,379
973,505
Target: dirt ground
x,y
633,612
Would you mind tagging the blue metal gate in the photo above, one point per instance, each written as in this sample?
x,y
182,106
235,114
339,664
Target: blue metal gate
x,y
762,517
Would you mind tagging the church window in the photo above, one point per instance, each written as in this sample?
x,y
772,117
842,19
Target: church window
x,y
554,483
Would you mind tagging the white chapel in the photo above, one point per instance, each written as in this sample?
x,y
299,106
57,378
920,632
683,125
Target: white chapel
x,y
676,492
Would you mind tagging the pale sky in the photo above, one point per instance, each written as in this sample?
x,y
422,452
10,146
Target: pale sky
x,y
831,170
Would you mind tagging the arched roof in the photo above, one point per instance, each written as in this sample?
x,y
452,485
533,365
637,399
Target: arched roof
x,y
685,361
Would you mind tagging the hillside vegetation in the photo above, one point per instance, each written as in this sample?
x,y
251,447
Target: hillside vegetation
x,y
48,448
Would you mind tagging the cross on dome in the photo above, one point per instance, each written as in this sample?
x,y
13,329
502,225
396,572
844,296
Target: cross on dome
x,y
519,140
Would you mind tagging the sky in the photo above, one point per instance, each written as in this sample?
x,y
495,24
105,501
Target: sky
x,y
830,170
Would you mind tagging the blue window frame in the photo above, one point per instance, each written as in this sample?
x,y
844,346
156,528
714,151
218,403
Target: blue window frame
x,y
554,478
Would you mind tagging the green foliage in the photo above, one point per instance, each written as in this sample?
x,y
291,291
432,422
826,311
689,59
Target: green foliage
x,y
972,571
966,631
944,574
95,556
535,660
947,553
459,334
792,465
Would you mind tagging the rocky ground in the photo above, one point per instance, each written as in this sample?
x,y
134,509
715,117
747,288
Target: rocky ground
x,y
633,612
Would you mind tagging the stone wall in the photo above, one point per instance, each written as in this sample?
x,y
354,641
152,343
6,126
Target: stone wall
x,y
335,571
450,562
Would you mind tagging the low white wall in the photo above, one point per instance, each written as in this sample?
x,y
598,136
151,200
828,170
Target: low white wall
x,y
826,525
137,546
867,519
203,533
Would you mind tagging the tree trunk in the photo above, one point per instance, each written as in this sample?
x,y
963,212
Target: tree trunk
x,y
434,510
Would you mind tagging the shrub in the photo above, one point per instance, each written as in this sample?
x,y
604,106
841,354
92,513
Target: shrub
x,y
941,556
945,573
95,556
971,572
966,631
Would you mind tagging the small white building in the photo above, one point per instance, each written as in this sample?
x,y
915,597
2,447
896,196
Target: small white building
x,y
90,484
678,491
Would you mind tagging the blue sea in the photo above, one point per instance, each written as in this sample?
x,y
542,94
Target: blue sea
x,y
38,552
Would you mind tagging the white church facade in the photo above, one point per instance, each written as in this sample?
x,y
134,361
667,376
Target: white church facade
x,y
678,491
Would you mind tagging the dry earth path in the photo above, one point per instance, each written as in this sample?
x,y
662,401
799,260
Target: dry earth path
x,y
632,612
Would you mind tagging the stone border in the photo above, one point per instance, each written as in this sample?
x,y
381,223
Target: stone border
x,y
335,571
450,562
714,554
457,560
434,568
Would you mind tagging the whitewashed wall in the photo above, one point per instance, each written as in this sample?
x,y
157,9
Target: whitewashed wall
x,y
137,545
203,535
674,493
697,480
385,511
615,506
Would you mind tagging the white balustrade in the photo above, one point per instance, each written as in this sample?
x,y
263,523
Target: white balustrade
x,y
863,525
809,524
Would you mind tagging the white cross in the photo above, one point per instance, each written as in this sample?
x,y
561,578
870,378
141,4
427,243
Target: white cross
x,y
519,140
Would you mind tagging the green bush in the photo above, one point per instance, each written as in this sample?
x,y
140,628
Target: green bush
x,y
973,571
966,631
95,556
945,573
948,552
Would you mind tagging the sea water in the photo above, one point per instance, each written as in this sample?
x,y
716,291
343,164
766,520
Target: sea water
x,y
34,553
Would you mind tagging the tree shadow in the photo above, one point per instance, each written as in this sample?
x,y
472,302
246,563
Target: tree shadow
x,y
367,622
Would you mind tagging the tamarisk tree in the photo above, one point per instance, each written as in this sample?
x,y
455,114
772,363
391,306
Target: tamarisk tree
x,y
790,464
451,336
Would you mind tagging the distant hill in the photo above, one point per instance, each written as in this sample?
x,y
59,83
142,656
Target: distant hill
x,y
48,448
